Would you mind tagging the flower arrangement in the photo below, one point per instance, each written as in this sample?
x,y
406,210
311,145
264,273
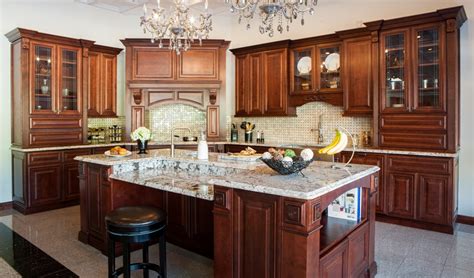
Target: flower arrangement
x,y
142,133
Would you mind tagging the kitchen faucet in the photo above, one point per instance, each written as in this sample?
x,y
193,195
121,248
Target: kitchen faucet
x,y
172,137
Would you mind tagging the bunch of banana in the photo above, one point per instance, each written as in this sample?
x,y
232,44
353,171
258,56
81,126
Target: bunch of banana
x,y
337,145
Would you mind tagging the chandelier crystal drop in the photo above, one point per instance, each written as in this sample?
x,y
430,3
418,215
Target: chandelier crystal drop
x,y
270,10
179,27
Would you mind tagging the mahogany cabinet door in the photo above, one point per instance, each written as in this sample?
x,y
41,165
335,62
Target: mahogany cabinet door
x,y
358,255
202,225
70,181
400,187
432,198
94,83
335,263
43,82
255,91
69,92
275,82
44,185
357,76
177,208
153,63
242,68
255,234
199,63
108,93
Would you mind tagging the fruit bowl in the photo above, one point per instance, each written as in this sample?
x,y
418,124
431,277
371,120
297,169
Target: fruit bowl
x,y
285,168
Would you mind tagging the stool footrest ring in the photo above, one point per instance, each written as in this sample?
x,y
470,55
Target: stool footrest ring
x,y
136,266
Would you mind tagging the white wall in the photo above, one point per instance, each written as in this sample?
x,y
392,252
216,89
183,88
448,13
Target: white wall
x,y
63,17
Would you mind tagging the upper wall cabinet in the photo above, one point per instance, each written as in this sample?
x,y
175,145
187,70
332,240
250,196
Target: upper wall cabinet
x,y
149,62
48,81
357,70
102,92
262,82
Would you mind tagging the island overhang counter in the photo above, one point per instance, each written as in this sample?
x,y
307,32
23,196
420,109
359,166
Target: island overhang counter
x,y
251,220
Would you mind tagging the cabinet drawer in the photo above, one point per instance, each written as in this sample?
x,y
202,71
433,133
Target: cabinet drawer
x,y
413,122
42,158
69,155
54,138
55,123
413,140
416,164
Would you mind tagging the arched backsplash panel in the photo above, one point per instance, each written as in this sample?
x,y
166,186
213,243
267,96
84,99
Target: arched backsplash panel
x,y
163,118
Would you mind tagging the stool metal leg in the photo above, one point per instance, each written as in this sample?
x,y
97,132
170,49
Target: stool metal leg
x,y
126,260
162,246
145,259
111,257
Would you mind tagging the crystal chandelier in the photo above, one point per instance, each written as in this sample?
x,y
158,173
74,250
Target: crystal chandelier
x,y
180,28
269,10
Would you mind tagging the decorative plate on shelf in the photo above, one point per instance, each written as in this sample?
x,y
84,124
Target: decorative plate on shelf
x,y
304,65
107,153
332,62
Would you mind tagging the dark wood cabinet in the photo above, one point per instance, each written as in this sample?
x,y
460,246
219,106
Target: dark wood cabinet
x,y
357,76
45,180
418,105
102,91
262,81
335,263
433,198
47,90
45,186
401,195
178,216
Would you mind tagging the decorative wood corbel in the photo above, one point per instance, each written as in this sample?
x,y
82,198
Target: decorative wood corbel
x,y
137,96
25,43
212,96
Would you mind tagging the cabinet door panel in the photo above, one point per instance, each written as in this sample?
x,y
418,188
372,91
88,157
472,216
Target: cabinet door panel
x,y
275,82
43,78
199,63
400,195
108,96
413,140
177,209
94,83
255,85
255,235
71,182
242,66
357,69
358,256
153,63
70,80
334,264
55,138
432,198
45,184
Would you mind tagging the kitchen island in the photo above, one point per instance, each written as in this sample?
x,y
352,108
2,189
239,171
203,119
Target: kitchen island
x,y
252,221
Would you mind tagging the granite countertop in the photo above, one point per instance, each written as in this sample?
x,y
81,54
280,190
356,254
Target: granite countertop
x,y
266,144
319,178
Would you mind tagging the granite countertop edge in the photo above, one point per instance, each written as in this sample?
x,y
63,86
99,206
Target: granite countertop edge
x,y
269,144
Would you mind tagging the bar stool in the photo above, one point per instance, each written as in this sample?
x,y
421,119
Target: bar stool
x,y
136,225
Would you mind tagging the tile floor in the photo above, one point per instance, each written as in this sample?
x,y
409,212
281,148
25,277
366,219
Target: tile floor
x,y
400,251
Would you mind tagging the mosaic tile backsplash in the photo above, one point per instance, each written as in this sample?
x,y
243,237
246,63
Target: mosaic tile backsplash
x,y
105,122
163,119
303,128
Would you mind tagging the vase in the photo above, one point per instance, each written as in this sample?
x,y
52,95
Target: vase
x,y
142,146
248,137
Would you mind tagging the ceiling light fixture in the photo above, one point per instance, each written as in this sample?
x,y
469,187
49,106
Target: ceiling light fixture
x,y
270,9
180,28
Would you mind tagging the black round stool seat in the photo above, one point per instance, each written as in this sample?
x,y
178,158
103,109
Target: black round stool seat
x,y
130,221
138,224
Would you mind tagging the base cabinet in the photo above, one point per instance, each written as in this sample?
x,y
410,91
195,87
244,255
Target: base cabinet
x,y
334,264
415,191
45,185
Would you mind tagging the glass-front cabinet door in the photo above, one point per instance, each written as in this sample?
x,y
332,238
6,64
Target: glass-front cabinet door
x,y
428,92
395,65
69,76
43,82
302,80
329,68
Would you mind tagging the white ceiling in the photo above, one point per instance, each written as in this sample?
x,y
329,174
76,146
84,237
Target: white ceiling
x,y
136,6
